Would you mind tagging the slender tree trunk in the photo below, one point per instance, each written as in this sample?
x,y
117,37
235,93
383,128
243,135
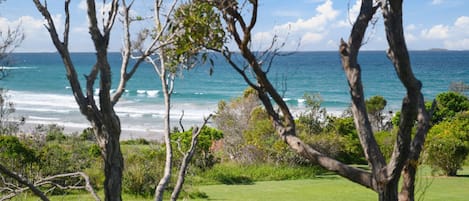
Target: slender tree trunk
x,y
185,164
167,90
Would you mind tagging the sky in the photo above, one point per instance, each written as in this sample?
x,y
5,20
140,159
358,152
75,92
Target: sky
x,y
304,25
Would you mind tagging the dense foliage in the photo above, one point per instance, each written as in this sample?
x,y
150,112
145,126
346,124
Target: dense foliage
x,y
448,144
448,104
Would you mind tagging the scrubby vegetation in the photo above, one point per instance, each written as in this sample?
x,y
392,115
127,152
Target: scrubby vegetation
x,y
244,150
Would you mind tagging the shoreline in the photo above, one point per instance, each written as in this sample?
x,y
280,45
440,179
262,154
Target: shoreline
x,y
135,129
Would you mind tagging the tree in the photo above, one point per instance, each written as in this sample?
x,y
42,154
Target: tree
x,y
459,87
448,104
375,106
10,39
448,144
383,177
101,114
183,34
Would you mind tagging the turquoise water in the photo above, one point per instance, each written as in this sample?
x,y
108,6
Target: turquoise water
x,y
40,90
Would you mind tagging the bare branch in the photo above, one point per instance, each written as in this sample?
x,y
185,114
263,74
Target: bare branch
x,y
180,121
187,158
25,182
64,53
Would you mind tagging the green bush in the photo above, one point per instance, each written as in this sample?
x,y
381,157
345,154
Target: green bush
x,y
375,106
143,168
138,141
386,141
447,145
204,158
87,135
448,105
11,149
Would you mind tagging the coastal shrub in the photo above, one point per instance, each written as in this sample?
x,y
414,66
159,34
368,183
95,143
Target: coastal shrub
x,y
374,107
447,145
8,125
204,158
17,156
386,140
138,141
262,143
313,119
52,132
232,118
143,168
448,104
87,134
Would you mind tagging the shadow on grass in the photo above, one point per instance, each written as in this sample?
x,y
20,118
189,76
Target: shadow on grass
x,y
234,180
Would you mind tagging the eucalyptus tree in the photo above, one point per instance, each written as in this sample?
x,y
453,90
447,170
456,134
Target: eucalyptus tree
x,y
100,113
187,31
383,177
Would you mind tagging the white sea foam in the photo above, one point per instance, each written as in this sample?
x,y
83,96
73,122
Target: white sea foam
x,y
16,67
32,100
152,93
42,118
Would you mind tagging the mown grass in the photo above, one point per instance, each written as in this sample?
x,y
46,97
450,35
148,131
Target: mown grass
x,y
335,188
231,173
325,187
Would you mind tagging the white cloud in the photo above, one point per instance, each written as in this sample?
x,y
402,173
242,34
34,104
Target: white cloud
x,y
311,37
437,2
452,36
411,27
462,24
436,32
309,31
325,13
36,35
352,13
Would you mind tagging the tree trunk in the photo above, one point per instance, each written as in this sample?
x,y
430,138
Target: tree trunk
x,y
408,182
113,164
185,163
167,90
388,193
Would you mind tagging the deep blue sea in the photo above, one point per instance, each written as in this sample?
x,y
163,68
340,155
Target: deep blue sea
x,y
38,86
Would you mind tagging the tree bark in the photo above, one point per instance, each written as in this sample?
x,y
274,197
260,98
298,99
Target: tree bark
x,y
103,118
384,178
166,79
282,119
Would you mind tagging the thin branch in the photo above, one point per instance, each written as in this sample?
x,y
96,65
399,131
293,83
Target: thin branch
x,y
25,182
187,158
180,121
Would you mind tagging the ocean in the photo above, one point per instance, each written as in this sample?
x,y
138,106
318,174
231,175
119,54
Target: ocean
x,y
38,86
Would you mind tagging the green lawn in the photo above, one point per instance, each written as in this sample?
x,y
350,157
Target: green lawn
x,y
333,188
323,188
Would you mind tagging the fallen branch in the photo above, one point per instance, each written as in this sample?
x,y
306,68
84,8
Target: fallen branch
x,y
15,190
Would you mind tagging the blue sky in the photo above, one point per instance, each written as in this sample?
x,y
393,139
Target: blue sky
x,y
305,25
